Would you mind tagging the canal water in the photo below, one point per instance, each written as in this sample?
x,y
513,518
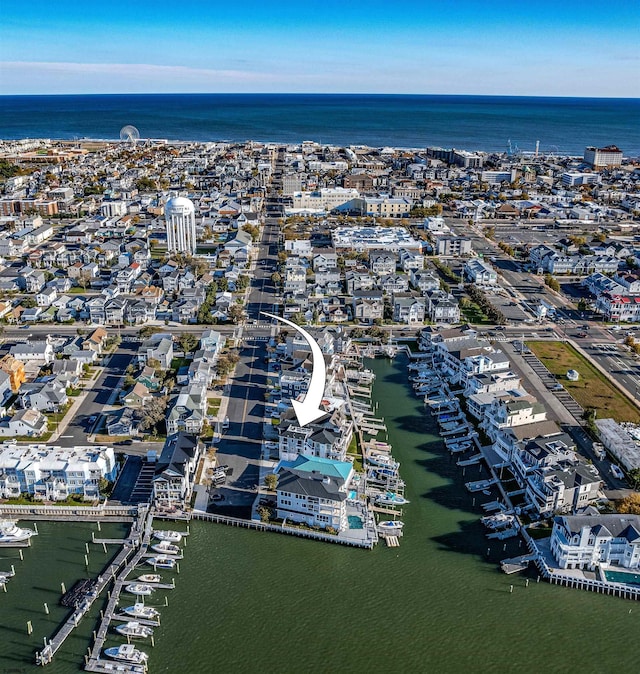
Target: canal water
x,y
257,602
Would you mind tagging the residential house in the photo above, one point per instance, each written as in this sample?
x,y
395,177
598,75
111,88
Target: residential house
x,y
188,411
313,491
175,472
589,541
14,368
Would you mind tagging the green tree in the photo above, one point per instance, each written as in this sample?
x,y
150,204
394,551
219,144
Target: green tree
x,y
188,342
552,282
271,481
145,184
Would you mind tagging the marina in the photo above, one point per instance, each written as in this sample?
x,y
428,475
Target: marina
x,y
443,535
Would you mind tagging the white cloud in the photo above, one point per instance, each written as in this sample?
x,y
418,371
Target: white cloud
x,y
62,77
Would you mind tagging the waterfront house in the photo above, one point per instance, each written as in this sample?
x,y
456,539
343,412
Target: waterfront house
x,y
313,491
175,471
591,540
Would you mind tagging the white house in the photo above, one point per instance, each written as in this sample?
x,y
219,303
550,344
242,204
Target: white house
x,y
589,541
313,491
175,471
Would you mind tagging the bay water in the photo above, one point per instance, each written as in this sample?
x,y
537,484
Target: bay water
x,y
257,602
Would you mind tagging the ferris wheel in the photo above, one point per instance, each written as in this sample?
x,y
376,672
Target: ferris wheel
x,y
129,134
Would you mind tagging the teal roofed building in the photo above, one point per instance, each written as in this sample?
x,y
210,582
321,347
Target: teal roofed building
x,y
329,467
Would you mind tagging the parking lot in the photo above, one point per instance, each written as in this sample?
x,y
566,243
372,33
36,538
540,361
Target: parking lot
x,y
550,381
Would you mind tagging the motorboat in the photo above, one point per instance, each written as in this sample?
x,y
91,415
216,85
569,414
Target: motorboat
x,y
134,630
169,536
150,578
127,653
390,526
10,532
498,521
139,588
390,498
139,610
386,472
162,562
166,548
382,460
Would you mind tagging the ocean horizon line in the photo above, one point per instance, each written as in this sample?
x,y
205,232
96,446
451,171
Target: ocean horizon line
x,y
322,94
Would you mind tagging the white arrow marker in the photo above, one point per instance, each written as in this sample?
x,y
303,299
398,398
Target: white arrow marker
x,y
309,410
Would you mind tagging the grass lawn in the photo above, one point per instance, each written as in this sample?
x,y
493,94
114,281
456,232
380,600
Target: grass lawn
x,y
592,389
213,406
474,314
177,363
355,452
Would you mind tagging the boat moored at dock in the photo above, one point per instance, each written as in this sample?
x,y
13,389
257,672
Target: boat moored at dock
x,y
390,526
391,499
139,610
169,536
10,532
166,548
139,588
134,630
150,578
127,653
162,562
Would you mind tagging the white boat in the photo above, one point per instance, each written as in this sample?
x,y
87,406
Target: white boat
x,y
150,578
10,532
390,526
139,610
127,653
134,630
162,562
391,499
169,536
139,588
166,548
498,521
382,460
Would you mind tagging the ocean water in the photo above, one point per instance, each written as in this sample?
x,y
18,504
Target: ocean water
x,y
562,125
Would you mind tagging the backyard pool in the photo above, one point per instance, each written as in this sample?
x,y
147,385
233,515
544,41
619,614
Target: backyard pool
x,y
355,522
622,577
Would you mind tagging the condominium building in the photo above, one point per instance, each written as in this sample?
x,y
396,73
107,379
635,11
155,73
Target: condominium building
x,y
179,213
53,473
602,157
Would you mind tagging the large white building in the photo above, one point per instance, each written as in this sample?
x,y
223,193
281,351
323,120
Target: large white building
x,y
180,216
313,491
589,541
600,157
53,473
325,199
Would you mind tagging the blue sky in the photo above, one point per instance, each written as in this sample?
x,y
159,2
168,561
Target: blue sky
x,y
563,48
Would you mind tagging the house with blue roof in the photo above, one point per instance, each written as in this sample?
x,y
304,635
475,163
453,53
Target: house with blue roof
x,y
313,491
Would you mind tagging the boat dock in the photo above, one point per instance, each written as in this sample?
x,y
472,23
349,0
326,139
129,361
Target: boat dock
x,y
517,564
392,541
476,458
94,663
45,656
480,485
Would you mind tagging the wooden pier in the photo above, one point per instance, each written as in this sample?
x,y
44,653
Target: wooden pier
x,y
94,662
45,656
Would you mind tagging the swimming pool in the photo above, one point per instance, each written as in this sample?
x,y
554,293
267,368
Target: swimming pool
x,y
355,522
353,495
622,577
